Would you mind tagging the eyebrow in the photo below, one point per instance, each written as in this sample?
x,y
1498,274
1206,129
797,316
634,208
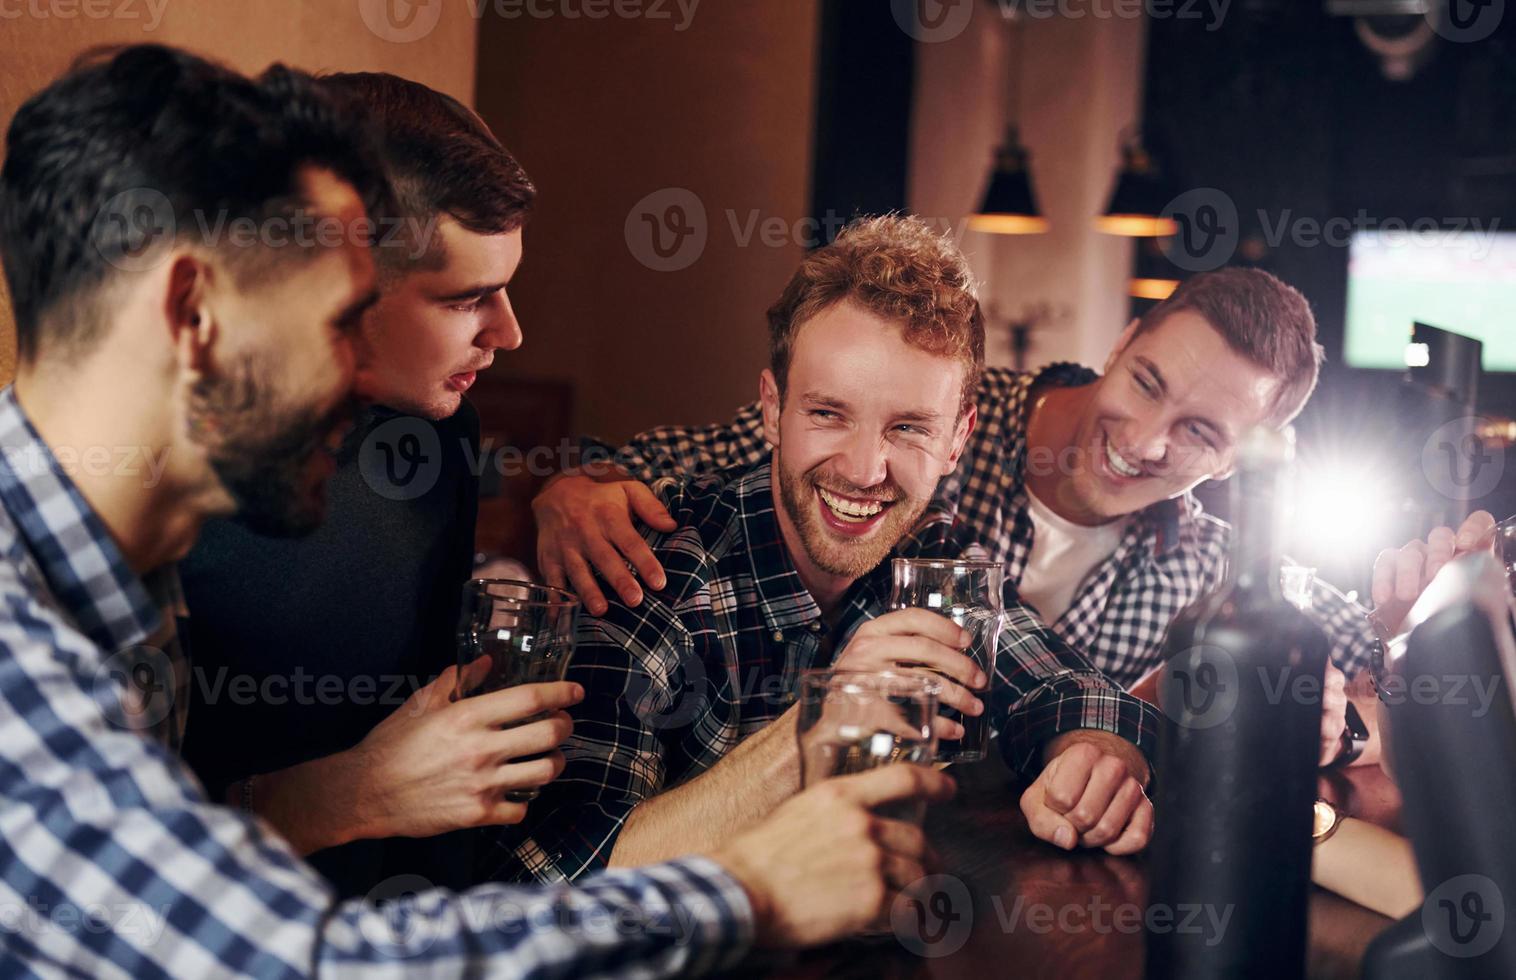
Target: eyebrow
x,y
472,292
826,401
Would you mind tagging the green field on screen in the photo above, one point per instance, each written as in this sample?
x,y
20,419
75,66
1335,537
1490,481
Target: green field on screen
x,y
1381,311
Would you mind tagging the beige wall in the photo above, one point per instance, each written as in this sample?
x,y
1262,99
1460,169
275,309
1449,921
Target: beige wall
x,y
1079,89
247,34
603,113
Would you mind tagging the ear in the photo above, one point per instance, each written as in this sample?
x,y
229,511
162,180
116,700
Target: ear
x,y
187,316
1122,343
768,400
961,438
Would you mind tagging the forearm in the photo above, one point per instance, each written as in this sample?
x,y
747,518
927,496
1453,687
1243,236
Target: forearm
x,y
695,817
313,805
1369,865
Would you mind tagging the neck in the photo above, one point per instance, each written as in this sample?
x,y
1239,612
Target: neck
x,y
113,442
1052,439
827,589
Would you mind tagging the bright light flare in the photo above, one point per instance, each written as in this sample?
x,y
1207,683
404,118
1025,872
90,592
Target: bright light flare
x,y
1341,509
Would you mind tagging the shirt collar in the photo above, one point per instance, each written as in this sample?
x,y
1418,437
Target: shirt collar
x,y
83,567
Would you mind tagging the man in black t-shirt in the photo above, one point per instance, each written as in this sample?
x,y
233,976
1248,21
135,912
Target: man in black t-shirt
x,y
312,698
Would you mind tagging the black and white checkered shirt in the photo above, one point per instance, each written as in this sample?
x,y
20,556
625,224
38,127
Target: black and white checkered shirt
x,y
1171,554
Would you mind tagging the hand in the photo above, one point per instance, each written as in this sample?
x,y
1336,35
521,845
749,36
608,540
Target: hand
x,y
1402,574
1090,794
822,866
436,764
1334,713
919,641
587,520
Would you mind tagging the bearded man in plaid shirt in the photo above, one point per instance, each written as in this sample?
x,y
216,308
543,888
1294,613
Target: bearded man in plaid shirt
x,y
1080,482
687,730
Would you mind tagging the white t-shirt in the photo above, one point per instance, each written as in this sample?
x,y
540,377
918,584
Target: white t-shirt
x,y
1063,553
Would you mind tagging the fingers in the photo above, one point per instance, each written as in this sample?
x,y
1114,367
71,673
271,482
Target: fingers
x,y
530,773
900,873
919,622
650,510
1383,588
1442,544
1044,822
582,583
612,567
1065,778
878,652
890,784
1408,571
1334,718
1118,814
946,729
635,550
900,838
532,739
504,812
1477,532
1138,832
1106,780
514,704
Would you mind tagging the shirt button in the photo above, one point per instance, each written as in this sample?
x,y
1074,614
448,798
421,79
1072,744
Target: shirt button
x,y
778,636
815,627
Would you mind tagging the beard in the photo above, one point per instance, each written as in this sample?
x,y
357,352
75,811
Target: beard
x,y
261,453
846,557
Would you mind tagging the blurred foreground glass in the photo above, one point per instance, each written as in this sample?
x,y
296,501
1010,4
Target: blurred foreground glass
x,y
1298,583
1505,545
970,594
854,720
514,633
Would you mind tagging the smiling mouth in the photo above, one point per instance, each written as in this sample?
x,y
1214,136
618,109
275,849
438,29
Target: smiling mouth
x,y
1118,464
851,512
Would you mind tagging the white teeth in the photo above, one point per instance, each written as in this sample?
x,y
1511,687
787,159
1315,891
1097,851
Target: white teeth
x,y
1118,464
850,510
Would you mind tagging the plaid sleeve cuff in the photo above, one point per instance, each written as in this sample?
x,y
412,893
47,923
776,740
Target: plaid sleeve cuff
x,y
1074,702
1346,624
716,908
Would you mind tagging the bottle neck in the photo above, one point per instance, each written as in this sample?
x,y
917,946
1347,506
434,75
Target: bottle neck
x,y
1257,553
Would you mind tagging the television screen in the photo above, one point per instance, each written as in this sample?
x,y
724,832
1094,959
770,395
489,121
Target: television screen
x,y
1464,282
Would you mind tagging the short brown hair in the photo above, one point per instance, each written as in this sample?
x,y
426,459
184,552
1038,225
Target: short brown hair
x,y
440,158
898,268
1262,318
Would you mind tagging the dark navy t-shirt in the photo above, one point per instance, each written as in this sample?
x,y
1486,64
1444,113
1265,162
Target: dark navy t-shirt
x,y
301,646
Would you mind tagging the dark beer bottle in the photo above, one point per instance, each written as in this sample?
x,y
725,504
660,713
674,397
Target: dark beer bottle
x,y
1241,694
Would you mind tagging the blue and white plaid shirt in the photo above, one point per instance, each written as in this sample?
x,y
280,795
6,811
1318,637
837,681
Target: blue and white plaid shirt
x,y
114,864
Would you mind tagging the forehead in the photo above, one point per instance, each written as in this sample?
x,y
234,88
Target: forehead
x,y
471,256
1202,373
849,353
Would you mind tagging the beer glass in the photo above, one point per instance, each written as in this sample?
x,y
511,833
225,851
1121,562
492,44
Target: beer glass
x,y
970,594
855,720
514,633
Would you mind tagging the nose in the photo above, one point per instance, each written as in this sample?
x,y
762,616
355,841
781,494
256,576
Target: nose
x,y
1148,439
502,331
357,363
864,460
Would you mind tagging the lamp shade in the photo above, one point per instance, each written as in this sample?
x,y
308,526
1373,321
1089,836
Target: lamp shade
x,y
1010,205
1138,200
